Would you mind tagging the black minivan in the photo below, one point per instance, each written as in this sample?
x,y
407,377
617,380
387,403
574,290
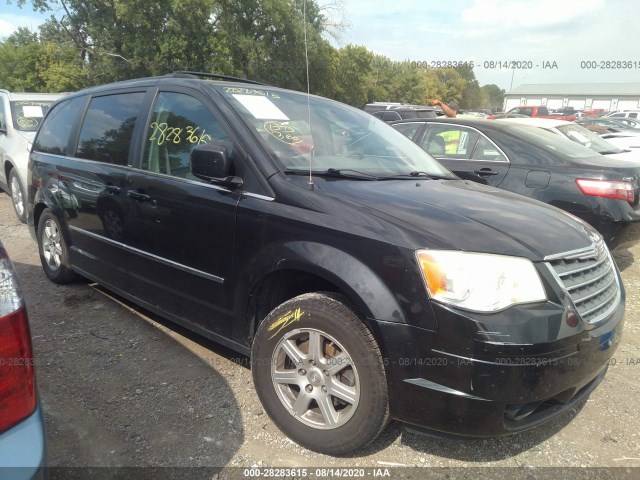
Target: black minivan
x,y
365,280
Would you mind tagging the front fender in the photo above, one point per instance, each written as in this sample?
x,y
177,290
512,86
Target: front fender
x,y
355,279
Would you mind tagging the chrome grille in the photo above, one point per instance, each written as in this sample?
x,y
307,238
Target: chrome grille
x,y
589,278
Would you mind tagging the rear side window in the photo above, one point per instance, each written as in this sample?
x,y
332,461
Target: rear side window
x,y
451,141
408,129
53,136
108,127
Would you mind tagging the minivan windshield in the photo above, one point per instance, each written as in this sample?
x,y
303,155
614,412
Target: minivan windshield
x,y
313,133
27,114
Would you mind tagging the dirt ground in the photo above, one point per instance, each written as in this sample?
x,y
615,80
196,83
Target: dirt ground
x,y
122,388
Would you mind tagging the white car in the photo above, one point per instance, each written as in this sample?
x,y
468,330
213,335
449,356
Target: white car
x,y
20,117
622,146
624,114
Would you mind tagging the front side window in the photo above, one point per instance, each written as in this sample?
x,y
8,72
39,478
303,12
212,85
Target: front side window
x,y
179,124
451,141
53,136
28,114
108,128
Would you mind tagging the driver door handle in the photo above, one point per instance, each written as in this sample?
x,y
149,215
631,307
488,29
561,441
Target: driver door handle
x,y
485,172
141,197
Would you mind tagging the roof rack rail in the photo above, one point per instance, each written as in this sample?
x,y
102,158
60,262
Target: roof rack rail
x,y
214,75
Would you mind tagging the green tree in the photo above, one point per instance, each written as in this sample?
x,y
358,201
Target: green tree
x,y
355,76
118,39
31,62
494,96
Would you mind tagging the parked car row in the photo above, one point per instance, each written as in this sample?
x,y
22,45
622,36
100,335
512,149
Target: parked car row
x,y
537,163
618,145
365,279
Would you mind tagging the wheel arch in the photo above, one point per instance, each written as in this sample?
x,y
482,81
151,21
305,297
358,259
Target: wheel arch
x,y
7,166
304,267
46,199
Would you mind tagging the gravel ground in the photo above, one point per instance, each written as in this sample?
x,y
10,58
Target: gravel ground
x,y
123,388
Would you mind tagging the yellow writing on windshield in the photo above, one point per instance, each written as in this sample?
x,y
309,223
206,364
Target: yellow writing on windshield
x,y
284,132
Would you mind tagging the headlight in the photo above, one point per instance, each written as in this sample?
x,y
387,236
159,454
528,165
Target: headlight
x,y
478,281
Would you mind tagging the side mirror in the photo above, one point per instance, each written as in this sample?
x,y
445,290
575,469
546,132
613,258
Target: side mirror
x,y
211,162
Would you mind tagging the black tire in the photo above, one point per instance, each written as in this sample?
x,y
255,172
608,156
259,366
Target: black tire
x,y
18,197
52,246
347,362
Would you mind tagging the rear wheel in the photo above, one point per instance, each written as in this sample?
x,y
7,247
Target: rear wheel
x,y
18,197
319,374
54,254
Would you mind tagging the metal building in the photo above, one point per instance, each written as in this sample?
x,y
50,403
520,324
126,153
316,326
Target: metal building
x,y
581,96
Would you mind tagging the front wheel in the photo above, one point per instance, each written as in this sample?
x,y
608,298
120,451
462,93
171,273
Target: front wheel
x,y
18,197
54,254
319,374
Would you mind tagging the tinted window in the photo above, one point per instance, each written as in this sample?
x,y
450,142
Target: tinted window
x,y
487,151
53,136
391,116
408,129
108,127
179,123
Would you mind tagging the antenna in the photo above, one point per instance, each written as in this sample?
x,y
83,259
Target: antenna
x,y
306,59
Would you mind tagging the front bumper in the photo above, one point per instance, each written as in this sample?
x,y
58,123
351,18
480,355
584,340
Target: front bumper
x,y
464,380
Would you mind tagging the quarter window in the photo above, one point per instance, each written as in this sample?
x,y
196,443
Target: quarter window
x,y
179,124
487,151
108,128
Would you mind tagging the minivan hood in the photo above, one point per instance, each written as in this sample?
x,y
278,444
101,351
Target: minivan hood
x,y
463,215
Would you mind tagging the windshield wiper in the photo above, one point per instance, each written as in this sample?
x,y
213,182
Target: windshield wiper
x,y
420,174
348,173
334,172
610,152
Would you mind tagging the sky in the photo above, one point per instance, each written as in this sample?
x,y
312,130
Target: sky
x,y
496,35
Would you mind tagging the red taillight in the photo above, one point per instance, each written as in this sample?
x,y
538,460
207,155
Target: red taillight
x,y
17,385
607,189
17,379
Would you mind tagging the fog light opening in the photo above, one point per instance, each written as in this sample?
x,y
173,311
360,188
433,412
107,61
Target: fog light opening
x,y
573,319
